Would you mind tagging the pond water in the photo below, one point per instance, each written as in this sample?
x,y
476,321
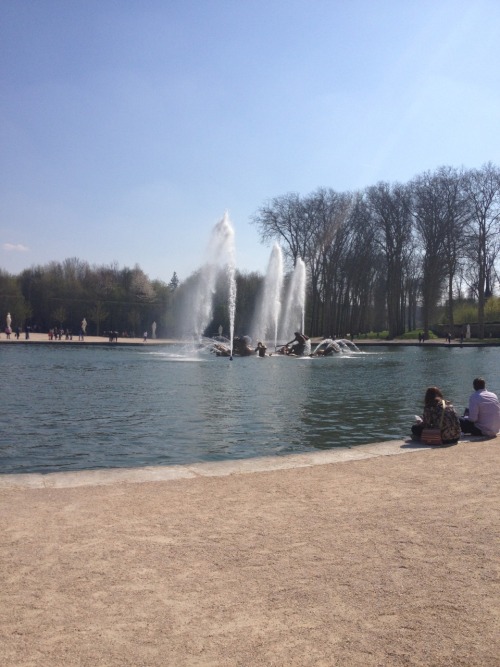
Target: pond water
x,y
73,407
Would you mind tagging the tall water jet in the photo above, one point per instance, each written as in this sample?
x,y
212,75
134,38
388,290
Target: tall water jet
x,y
231,275
295,302
265,326
220,257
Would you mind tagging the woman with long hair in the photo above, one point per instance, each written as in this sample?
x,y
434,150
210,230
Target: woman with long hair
x,y
438,413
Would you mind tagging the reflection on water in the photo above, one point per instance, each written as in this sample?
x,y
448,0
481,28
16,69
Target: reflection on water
x,y
82,407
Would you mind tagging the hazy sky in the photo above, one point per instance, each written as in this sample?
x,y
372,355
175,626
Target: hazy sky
x,y
128,127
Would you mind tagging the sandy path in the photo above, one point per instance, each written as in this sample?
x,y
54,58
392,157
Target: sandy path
x,y
387,561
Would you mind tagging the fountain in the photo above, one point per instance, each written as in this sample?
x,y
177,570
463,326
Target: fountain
x,y
329,346
220,258
268,322
295,302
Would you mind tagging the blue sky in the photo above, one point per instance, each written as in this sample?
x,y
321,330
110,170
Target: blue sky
x,y
128,127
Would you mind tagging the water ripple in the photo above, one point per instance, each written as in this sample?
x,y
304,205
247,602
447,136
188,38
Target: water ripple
x,y
72,408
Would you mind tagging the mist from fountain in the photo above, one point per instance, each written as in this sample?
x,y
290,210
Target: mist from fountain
x,y
295,302
198,310
268,309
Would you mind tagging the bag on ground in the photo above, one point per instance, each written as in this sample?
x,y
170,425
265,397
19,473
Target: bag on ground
x,y
431,436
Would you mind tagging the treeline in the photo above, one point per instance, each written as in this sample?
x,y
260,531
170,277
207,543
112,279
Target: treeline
x,y
61,294
379,258
109,298
387,258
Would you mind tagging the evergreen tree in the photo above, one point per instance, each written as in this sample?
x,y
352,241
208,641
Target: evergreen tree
x,y
174,282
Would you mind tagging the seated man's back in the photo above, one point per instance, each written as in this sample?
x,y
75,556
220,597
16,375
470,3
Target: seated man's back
x,y
484,411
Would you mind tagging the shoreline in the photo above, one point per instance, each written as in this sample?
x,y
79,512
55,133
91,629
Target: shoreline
x,y
164,473
37,338
103,476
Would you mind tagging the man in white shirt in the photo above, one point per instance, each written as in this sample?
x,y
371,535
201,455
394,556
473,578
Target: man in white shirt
x,y
483,417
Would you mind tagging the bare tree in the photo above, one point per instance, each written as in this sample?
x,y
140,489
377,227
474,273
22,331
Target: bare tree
x,y
390,207
457,216
482,188
430,213
285,219
349,268
413,289
327,212
141,287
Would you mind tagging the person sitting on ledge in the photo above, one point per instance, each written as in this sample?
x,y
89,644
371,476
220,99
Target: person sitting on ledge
x,y
483,414
434,406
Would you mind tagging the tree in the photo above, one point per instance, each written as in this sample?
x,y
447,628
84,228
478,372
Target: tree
x,y
59,315
285,219
98,314
174,282
430,213
482,187
12,301
457,216
390,208
327,212
159,310
362,267
140,286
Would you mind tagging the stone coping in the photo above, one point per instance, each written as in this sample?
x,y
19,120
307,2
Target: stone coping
x,y
67,479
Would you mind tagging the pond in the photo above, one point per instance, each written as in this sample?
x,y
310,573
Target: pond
x,y
78,407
